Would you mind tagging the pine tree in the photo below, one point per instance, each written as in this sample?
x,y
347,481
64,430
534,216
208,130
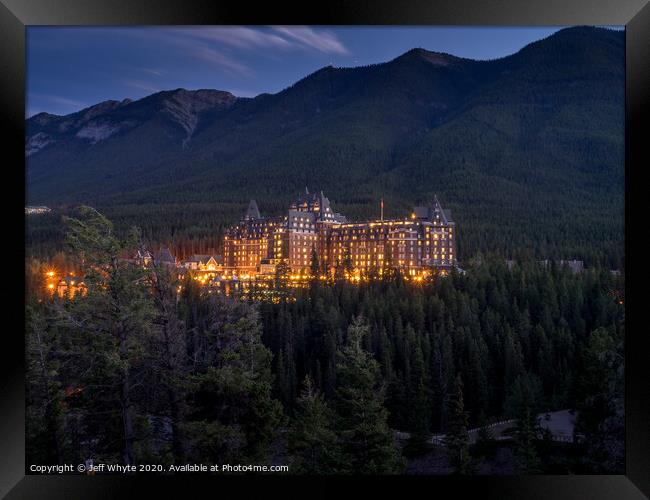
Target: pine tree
x,y
419,405
599,429
312,442
457,437
485,434
418,442
387,269
523,403
314,267
169,352
527,433
348,266
44,397
117,309
339,275
282,272
245,381
232,413
443,376
280,380
368,444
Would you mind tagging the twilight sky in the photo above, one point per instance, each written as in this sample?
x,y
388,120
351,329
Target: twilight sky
x,y
69,68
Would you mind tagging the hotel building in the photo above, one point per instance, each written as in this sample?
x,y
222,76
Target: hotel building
x,y
417,244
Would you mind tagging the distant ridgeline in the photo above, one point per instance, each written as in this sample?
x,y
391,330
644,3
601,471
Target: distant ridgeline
x,y
527,150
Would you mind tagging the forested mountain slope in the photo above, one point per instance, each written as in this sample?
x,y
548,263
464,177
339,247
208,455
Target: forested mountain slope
x,y
526,150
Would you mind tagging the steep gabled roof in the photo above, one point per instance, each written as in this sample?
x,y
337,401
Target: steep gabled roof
x,y
438,210
164,255
139,254
204,259
252,212
433,212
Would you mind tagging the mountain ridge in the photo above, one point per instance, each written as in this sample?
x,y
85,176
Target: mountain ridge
x,y
535,134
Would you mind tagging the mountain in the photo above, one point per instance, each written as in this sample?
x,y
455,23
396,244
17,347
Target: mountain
x,y
527,150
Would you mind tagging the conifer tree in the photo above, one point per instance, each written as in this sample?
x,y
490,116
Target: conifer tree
x,y
338,272
418,442
312,442
527,432
44,395
117,310
234,414
280,379
244,369
168,351
485,434
419,404
314,266
282,272
457,437
368,444
348,266
599,429
523,403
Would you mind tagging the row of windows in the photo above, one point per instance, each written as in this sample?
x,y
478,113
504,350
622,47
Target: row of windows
x,y
337,236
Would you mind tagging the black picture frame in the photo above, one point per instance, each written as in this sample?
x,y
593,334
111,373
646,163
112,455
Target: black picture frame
x,y
15,15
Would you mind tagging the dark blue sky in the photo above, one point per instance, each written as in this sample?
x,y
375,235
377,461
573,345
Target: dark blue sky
x,y
70,68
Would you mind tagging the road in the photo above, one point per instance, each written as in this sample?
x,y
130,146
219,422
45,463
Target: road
x,y
560,423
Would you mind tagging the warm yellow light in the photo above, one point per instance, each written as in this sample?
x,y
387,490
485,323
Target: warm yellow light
x,y
50,273
50,286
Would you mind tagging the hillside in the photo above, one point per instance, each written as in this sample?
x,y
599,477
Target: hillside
x,y
526,150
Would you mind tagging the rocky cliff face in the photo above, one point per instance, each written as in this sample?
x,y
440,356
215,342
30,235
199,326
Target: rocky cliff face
x,y
97,123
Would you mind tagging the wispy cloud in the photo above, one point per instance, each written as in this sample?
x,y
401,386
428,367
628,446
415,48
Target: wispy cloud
x,y
321,40
154,72
219,59
191,43
58,100
274,37
140,85
241,37
223,46
37,102
238,36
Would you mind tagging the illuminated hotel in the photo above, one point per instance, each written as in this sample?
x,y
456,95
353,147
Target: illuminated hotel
x,y
255,248
417,244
